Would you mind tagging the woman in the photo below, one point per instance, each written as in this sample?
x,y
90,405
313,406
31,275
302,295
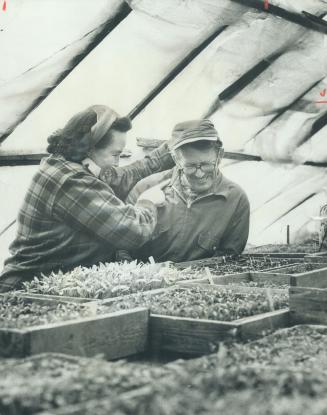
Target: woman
x,y
73,213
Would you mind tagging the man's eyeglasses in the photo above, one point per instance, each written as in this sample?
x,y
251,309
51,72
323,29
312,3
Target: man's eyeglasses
x,y
206,167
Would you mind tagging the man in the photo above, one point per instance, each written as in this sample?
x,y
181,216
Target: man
x,y
205,214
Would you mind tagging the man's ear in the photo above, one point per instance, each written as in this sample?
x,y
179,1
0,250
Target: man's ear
x,y
174,156
221,154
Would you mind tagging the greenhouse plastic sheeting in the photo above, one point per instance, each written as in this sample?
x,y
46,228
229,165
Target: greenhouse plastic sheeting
x,y
284,81
280,195
120,71
193,92
294,127
273,116
39,40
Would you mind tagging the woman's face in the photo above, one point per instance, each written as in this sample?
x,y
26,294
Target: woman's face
x,y
108,152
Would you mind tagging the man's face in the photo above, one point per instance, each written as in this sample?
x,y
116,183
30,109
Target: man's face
x,y
200,180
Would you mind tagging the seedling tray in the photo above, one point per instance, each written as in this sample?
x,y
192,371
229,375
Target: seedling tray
x,y
308,305
317,257
90,407
287,255
267,371
57,380
195,336
314,278
58,298
287,275
283,275
244,278
116,335
221,266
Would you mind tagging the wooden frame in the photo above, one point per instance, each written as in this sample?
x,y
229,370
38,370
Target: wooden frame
x,y
182,265
48,297
316,257
88,407
308,305
196,337
115,335
287,255
314,278
220,260
83,300
242,277
200,336
17,407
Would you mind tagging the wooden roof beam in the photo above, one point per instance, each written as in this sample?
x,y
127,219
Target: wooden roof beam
x,y
108,27
305,19
174,72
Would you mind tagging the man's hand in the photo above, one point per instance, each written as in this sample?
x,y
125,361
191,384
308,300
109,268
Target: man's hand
x,y
155,194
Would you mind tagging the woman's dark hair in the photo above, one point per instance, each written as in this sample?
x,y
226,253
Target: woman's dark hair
x,y
122,124
74,141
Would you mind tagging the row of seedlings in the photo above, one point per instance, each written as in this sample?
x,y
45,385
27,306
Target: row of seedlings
x,y
103,281
262,272
193,319
37,325
56,313
57,380
185,319
273,375
88,334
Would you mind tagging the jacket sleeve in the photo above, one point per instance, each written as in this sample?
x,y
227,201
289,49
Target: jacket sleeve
x,y
236,234
85,203
146,184
123,179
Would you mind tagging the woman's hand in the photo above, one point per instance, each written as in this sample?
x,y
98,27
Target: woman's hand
x,y
155,194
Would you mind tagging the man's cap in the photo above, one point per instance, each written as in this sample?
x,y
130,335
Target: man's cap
x,y
191,131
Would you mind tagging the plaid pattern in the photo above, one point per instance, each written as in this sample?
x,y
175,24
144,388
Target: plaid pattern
x,y
69,218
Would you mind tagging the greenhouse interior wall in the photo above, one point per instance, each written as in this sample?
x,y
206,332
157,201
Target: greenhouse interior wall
x,y
273,115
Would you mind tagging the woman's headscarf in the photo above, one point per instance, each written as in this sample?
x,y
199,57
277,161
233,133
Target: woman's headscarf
x,y
105,118
82,132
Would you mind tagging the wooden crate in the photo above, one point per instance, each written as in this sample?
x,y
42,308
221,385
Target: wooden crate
x,y
242,277
90,407
115,335
316,257
81,300
222,260
308,305
196,337
16,407
314,278
49,297
287,255
199,336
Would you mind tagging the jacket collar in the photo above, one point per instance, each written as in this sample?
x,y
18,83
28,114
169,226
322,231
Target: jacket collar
x,y
91,167
220,187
